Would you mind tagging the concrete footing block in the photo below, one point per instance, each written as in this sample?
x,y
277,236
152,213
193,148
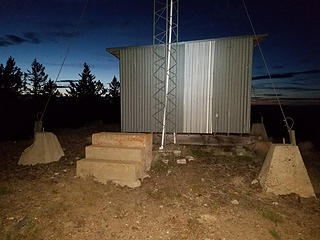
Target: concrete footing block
x,y
283,172
259,130
45,149
124,173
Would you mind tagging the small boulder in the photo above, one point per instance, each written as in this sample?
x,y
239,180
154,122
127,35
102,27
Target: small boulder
x,y
235,202
181,161
190,158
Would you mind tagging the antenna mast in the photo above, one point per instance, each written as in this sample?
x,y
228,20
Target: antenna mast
x,y
165,39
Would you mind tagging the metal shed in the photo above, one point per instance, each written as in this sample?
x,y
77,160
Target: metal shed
x,y
213,85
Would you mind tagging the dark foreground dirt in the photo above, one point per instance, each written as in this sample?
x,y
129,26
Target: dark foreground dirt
x,y
192,201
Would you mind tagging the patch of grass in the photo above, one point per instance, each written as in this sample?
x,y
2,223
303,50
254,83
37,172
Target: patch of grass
x,y
214,206
159,166
202,152
272,216
193,223
171,193
29,231
156,195
5,236
273,232
120,212
56,208
198,188
139,208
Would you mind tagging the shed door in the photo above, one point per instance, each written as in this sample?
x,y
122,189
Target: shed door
x,y
198,77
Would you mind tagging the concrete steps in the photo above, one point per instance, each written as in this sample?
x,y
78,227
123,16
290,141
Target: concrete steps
x,y
122,158
126,140
124,173
115,153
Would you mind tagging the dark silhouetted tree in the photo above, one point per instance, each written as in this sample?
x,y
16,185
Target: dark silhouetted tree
x,y
36,78
86,87
50,87
11,85
114,88
11,77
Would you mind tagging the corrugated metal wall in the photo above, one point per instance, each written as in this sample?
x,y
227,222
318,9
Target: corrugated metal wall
x,y
180,87
213,86
197,104
232,76
179,68
136,89
136,85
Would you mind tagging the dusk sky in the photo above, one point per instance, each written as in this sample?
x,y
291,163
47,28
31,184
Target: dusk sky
x,y
42,29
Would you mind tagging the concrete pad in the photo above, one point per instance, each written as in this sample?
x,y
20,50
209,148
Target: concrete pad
x,y
284,172
45,149
259,130
115,153
124,173
126,140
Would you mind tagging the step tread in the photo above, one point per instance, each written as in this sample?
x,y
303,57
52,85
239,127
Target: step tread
x,y
141,140
121,133
110,147
115,162
121,154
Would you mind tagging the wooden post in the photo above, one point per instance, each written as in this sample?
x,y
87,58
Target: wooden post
x,y
37,126
293,137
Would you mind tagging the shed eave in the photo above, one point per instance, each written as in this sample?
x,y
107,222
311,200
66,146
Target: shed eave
x,y
115,51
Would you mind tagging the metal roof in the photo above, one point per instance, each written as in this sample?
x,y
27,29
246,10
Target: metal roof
x,y
115,51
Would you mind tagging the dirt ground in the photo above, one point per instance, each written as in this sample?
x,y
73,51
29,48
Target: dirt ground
x,y
209,198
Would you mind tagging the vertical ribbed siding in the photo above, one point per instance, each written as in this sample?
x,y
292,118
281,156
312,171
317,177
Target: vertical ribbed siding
x,y
136,83
232,85
180,87
136,89
197,117
247,98
213,87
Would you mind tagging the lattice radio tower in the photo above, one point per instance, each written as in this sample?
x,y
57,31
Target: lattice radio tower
x,y
165,39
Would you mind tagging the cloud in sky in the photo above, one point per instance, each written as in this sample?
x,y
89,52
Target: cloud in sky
x,y
55,32
32,37
296,84
271,95
295,89
285,75
15,39
11,39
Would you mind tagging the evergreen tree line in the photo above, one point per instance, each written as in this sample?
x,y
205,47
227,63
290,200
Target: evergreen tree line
x,y
23,96
36,82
